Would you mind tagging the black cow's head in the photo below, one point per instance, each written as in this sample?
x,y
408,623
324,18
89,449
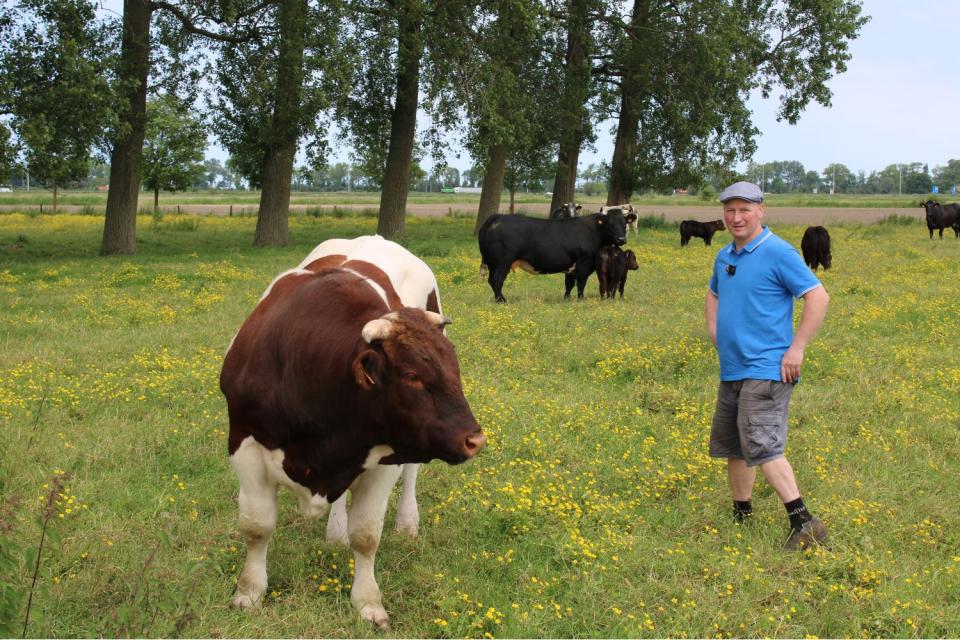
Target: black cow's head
x,y
613,226
410,374
631,257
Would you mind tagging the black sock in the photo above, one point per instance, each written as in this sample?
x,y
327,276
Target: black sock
x,y
742,509
797,512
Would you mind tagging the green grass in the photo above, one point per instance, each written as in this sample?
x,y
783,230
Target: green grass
x,y
250,199
593,512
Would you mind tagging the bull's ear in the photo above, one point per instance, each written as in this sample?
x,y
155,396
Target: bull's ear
x,y
631,217
368,369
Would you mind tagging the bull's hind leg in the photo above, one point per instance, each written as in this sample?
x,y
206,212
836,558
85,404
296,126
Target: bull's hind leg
x,y
496,278
258,519
367,508
337,522
408,515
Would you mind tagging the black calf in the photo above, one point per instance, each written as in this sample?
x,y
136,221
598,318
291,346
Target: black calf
x,y
612,266
705,230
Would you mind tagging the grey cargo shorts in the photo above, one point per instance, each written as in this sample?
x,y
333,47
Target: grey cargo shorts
x,y
750,422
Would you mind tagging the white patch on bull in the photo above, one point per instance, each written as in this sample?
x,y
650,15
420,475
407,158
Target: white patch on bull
x,y
376,454
572,268
271,462
373,285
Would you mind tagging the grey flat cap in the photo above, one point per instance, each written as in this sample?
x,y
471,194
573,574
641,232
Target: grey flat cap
x,y
742,191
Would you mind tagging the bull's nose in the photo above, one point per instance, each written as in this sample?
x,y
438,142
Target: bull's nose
x,y
622,240
473,443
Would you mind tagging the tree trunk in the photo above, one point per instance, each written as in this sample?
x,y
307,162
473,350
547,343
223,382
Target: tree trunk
x,y
281,142
156,199
513,193
120,222
54,198
492,184
273,217
403,123
565,180
575,93
622,173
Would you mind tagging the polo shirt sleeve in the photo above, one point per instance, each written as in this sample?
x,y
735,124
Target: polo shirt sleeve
x,y
795,274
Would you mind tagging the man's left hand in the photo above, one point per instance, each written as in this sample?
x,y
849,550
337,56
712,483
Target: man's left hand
x,y
790,365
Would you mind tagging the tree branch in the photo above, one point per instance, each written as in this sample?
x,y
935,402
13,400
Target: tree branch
x,y
188,24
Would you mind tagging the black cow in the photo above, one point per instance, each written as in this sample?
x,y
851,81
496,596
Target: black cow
x,y
815,247
705,230
548,246
566,210
612,266
941,216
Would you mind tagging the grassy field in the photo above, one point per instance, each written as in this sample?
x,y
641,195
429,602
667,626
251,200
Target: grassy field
x,y
97,201
594,511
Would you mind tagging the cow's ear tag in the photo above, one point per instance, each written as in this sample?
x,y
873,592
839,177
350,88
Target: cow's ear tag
x,y
599,220
366,369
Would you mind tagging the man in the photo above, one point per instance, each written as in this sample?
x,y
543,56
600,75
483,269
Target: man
x,y
749,313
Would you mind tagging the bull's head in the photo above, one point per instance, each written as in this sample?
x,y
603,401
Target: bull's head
x,y
613,226
409,371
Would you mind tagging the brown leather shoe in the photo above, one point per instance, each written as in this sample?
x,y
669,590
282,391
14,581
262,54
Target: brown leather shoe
x,y
812,533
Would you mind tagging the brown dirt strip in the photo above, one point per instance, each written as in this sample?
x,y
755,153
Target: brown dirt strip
x,y
790,215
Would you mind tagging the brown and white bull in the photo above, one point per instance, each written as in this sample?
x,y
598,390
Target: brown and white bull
x,y
417,287
331,384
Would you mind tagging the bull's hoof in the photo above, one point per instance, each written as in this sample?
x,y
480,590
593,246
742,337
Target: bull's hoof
x,y
501,300
376,615
247,602
408,528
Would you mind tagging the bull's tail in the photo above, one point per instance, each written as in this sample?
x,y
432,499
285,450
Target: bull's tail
x,y
481,235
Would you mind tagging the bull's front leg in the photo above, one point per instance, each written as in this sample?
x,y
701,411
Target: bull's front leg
x,y
370,493
258,519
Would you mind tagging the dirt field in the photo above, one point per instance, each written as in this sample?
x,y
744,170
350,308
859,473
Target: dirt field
x,y
791,215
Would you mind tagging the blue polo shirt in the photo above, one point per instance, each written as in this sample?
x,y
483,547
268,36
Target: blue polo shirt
x,y
755,289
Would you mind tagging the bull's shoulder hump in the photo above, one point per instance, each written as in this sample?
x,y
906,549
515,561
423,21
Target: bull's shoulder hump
x,y
375,278
325,262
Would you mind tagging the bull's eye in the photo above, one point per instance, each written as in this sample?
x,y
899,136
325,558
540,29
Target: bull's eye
x,y
413,378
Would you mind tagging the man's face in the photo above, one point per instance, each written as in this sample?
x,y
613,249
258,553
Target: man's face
x,y
743,219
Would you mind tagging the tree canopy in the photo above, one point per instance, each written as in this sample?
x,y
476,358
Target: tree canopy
x,y
173,147
54,73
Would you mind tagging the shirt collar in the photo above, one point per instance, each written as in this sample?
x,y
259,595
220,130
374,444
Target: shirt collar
x,y
753,244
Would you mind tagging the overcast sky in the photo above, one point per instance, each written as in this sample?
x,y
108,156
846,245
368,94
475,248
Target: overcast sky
x,y
898,102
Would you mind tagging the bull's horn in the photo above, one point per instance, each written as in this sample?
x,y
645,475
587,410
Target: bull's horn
x,y
379,329
437,319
